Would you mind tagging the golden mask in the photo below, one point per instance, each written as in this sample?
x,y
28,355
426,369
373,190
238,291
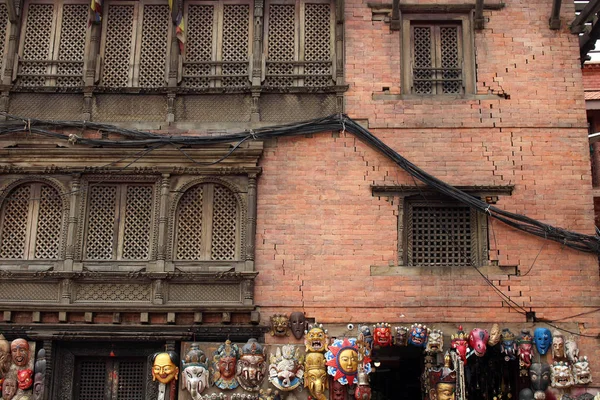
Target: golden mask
x,y
316,339
164,370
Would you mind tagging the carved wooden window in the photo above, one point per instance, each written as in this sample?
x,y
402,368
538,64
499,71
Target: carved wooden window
x,y
53,43
119,222
135,44
4,24
443,234
299,43
438,55
103,378
207,226
218,45
30,223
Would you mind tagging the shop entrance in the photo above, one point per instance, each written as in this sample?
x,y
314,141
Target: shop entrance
x,y
398,376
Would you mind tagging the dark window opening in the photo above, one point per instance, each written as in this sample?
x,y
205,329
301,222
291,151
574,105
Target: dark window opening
x,y
110,378
398,377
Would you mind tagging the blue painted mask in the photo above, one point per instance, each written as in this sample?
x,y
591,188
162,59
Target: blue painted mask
x,y
543,340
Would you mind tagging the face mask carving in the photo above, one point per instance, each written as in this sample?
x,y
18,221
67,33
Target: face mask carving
x,y
224,365
316,339
478,340
165,367
338,391
459,343
509,346
251,367
316,376
401,336
9,388
279,325
19,349
342,361
383,335
25,378
495,335
418,335
562,377
297,324
558,345
362,391
194,378
286,369
540,376
5,357
582,372
442,382
524,351
435,342
571,350
543,339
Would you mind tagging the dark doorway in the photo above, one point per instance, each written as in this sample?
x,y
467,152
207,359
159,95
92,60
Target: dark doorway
x,y
398,377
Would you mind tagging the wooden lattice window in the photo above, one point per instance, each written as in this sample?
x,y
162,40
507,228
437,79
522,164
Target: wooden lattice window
x,y
437,55
218,44
119,222
4,37
53,43
443,234
207,224
31,223
299,43
135,44
102,378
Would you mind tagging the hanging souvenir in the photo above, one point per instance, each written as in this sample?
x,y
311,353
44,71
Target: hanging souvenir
x,y
165,371
562,376
337,391
224,364
39,377
540,377
442,381
417,336
495,335
543,339
297,324
435,342
363,390
342,361
24,378
5,357
367,334
401,336
508,345
581,371
459,343
478,340
280,325
524,351
315,375
9,388
251,367
382,335
194,377
315,339
571,350
286,371
558,345
19,349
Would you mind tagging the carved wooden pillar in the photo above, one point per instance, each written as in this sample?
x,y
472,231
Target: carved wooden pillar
x,y
251,224
339,54
13,46
162,222
257,59
248,291
73,220
175,60
47,345
4,99
66,290
92,59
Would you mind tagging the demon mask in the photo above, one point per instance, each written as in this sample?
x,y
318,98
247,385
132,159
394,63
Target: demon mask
x,y
435,342
19,349
418,334
5,358
558,345
9,388
459,343
297,324
315,339
195,371
571,350
251,367
401,336
540,376
543,339
286,369
337,391
581,372
478,340
165,367
25,378
382,336
315,378
562,377
223,365
524,351
508,345
279,325
442,382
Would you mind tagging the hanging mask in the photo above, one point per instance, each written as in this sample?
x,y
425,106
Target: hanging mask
x,y
525,351
543,339
194,377
165,367
442,381
508,345
315,378
367,334
459,343
571,350
478,340
558,345
342,361
418,334
435,342
582,372
286,369
19,349
223,365
252,366
383,335
561,377
9,388
25,378
5,356
495,335
401,336
297,324
540,376
315,339
280,325
337,391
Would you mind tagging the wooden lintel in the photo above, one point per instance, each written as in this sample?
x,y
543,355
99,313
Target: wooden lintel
x,y
395,23
434,8
12,11
555,16
479,22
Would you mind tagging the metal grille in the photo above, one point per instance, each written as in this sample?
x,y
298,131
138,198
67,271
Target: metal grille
x,y
112,292
92,380
153,58
14,223
450,62
36,45
439,235
422,72
131,378
47,241
281,45
3,24
199,46
72,44
117,53
138,222
101,223
224,224
317,46
235,44
189,225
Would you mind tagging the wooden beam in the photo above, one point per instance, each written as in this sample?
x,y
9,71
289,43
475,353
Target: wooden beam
x,y
395,23
434,8
555,15
479,22
12,11
588,12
